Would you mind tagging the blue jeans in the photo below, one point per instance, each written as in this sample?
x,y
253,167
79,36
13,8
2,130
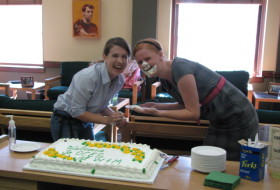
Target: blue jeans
x,y
64,126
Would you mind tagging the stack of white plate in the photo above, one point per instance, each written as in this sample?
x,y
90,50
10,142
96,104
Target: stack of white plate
x,y
208,158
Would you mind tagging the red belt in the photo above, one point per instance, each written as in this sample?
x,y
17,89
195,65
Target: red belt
x,y
215,91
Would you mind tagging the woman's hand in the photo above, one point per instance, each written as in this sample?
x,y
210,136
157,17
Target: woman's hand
x,y
116,118
146,110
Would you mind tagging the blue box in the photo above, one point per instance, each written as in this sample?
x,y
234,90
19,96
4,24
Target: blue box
x,y
252,162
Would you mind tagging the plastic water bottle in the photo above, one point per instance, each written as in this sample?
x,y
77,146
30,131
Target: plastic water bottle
x,y
11,131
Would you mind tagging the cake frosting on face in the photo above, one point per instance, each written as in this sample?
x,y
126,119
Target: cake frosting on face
x,y
148,69
127,160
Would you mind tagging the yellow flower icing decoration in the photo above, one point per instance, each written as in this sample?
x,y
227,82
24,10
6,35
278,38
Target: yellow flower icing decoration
x,y
51,152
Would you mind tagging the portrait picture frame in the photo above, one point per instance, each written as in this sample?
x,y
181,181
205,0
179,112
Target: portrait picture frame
x,y
86,18
273,88
27,81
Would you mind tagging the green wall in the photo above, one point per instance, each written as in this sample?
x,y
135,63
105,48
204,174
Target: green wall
x,y
144,25
144,20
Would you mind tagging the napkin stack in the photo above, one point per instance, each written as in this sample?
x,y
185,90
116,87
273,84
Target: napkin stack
x,y
221,180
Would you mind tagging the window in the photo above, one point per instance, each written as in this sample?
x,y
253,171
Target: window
x,y
21,36
221,36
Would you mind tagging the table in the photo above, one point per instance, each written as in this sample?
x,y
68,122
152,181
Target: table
x,y
18,87
179,176
5,87
263,97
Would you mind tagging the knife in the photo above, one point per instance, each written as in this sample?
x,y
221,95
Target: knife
x,y
169,162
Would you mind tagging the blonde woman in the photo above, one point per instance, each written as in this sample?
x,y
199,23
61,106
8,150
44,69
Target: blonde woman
x,y
198,90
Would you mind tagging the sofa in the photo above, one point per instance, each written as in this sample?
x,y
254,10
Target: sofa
x,y
176,136
57,85
34,115
32,119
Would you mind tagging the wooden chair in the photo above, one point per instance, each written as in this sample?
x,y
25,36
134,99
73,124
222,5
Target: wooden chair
x,y
57,85
37,121
164,128
160,95
159,127
6,88
133,93
26,119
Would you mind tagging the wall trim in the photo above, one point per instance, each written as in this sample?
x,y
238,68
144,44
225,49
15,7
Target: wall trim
x,y
265,74
25,69
52,64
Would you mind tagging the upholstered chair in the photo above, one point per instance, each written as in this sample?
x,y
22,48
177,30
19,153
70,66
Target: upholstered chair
x,y
59,84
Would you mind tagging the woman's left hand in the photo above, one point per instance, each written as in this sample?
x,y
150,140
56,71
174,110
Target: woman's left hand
x,y
146,110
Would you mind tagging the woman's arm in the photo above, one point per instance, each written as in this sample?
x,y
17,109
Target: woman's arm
x,y
163,106
190,110
188,91
94,118
107,117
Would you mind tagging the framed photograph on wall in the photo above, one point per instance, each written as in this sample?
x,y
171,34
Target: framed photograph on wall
x,y
86,18
27,81
273,88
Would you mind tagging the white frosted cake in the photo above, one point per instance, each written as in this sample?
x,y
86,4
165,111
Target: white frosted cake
x,y
128,160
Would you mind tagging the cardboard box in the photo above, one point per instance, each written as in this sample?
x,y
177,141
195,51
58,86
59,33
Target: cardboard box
x,y
252,162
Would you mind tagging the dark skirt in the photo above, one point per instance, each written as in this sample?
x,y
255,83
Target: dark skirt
x,y
232,117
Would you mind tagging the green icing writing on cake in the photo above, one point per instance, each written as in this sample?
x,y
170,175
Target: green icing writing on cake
x,y
99,158
138,154
87,156
117,161
108,160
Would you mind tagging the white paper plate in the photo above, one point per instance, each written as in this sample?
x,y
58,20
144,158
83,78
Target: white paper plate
x,y
208,151
208,170
208,158
25,147
209,164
